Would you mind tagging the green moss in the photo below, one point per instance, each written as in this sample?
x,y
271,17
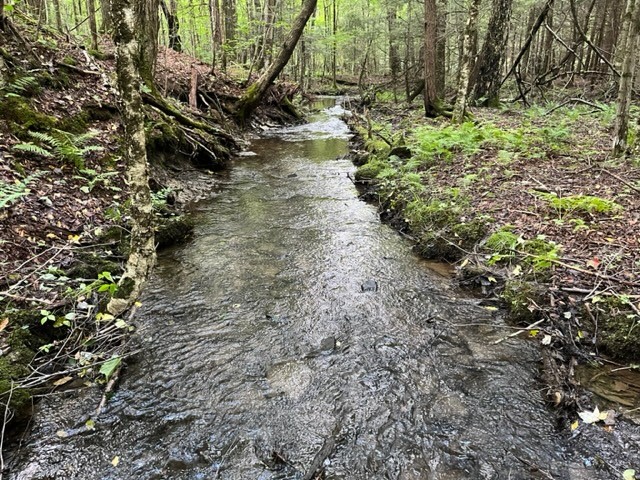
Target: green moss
x,y
21,117
89,265
68,60
618,328
580,203
540,253
371,169
521,298
173,230
75,123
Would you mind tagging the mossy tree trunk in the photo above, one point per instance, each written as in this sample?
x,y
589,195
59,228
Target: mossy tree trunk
x,y
142,255
488,70
256,91
147,23
629,48
93,25
468,52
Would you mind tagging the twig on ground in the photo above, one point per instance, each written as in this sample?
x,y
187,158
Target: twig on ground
x,y
522,330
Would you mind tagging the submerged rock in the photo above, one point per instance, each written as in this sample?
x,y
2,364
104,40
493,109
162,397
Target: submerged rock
x,y
369,286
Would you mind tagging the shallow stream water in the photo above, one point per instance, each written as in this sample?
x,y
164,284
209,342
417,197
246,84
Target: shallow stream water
x,y
297,336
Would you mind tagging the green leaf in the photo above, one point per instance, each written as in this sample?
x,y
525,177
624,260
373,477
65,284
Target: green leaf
x,y
110,366
629,474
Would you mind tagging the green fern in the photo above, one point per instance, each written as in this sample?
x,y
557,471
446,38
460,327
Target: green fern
x,y
18,86
12,192
32,148
67,146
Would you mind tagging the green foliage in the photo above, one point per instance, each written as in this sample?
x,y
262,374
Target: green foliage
x,y
433,143
540,253
31,147
371,169
12,192
93,179
502,245
19,86
67,146
579,203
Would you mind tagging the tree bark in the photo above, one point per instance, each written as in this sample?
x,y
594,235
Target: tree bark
x,y
470,32
230,27
488,70
431,102
255,93
147,24
93,26
142,254
173,24
105,11
629,41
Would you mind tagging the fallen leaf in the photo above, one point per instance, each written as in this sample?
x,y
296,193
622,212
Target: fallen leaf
x,y
575,425
62,381
546,340
3,323
593,263
590,417
90,424
115,461
629,474
62,434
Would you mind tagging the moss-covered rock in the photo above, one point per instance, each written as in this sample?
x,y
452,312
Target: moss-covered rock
x,y
89,265
618,328
521,298
21,116
75,123
371,169
173,230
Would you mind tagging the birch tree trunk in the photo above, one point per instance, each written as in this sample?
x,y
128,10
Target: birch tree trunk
x,y
470,33
142,254
629,48
255,93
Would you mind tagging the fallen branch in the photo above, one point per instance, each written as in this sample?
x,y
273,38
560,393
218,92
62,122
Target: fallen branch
x,y
522,330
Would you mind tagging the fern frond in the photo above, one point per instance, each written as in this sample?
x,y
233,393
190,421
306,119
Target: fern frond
x,y
32,148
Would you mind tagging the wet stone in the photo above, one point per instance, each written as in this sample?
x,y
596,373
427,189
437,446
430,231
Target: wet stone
x,y
369,286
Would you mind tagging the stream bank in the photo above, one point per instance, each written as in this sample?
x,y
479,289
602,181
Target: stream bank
x,y
295,336
528,224
64,201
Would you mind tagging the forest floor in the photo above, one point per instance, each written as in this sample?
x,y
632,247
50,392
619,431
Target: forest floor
x,y
63,199
535,214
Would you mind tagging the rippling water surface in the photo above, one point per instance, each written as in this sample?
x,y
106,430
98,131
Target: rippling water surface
x,y
296,334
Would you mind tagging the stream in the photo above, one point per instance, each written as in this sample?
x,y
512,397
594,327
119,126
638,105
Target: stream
x,y
298,337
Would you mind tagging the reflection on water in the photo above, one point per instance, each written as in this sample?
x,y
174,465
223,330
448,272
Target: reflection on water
x,y
295,333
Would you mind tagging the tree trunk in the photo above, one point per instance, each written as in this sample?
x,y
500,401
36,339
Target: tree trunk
x,y
488,69
255,93
470,32
105,11
142,254
629,41
93,26
56,8
147,24
441,47
431,102
527,44
173,24
230,26
216,31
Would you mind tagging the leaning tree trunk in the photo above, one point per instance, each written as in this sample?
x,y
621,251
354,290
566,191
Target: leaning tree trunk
x,y
487,75
629,44
470,32
431,102
142,254
256,92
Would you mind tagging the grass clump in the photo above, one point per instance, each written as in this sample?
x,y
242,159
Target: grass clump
x,y
371,169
